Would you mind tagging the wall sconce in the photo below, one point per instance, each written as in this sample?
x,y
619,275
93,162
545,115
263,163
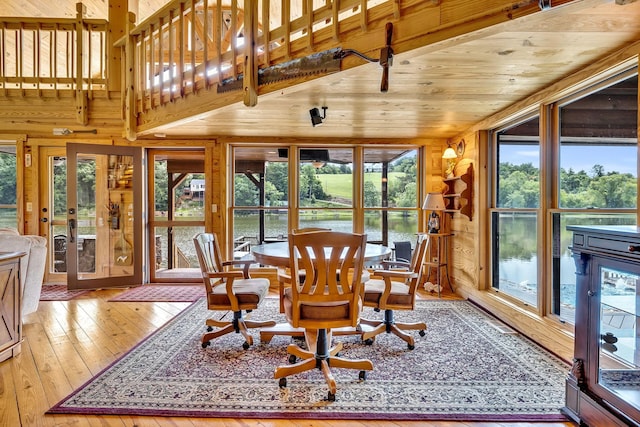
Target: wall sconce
x,y
450,155
434,202
316,118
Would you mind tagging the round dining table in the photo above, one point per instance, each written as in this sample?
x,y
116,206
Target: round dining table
x,y
277,254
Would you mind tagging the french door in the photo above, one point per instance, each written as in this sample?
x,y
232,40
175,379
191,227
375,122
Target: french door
x,y
104,216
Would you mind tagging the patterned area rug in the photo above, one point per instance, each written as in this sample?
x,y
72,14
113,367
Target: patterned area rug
x,y
160,293
59,293
463,369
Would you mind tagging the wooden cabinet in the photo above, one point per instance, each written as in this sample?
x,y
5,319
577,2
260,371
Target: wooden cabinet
x,y
10,303
457,194
603,386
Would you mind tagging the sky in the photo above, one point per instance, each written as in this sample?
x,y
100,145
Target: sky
x,y
614,158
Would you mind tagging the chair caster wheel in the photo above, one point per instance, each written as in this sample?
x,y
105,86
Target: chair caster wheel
x,y
206,344
282,383
422,333
362,375
331,397
209,328
411,346
246,345
292,359
369,341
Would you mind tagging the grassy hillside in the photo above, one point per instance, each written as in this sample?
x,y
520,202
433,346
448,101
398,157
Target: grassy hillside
x,y
339,185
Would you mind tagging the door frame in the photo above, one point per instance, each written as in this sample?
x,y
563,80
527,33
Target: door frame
x,y
135,277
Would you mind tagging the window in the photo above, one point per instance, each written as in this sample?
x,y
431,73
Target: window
x,y
589,177
515,219
326,188
260,197
326,195
390,195
598,173
8,203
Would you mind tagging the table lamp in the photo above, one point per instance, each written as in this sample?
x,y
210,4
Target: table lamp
x,y
434,202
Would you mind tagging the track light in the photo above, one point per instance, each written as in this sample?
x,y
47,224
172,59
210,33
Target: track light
x,y
316,118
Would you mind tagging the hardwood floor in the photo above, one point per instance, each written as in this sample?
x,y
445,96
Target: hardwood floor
x,y
68,342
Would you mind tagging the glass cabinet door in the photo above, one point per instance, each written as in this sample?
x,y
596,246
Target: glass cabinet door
x,y
618,354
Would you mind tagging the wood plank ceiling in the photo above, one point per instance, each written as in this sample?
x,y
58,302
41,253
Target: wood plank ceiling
x,y
435,92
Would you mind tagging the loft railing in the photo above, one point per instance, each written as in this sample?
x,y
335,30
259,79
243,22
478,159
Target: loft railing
x,y
190,46
40,54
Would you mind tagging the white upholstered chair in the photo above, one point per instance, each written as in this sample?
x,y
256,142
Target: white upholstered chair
x,y
32,265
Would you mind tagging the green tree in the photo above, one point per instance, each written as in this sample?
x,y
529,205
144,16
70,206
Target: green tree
x,y
246,193
160,191
7,179
277,174
310,186
86,184
371,195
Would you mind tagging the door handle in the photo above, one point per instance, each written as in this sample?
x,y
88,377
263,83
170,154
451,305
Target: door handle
x,y
72,227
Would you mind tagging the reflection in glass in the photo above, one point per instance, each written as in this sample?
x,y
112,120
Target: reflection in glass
x,y
564,277
516,270
401,226
619,354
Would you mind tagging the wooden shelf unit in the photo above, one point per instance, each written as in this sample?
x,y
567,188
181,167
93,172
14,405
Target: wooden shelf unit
x,y
457,194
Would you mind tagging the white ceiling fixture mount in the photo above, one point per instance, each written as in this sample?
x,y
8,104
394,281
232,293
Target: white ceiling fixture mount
x,y
66,131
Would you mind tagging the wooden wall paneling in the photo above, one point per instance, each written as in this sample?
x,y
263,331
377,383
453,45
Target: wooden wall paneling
x,y
20,183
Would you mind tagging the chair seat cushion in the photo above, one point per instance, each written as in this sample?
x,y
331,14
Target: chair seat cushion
x,y
248,292
322,311
374,288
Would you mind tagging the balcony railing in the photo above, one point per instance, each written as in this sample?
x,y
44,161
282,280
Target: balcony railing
x,y
193,45
40,54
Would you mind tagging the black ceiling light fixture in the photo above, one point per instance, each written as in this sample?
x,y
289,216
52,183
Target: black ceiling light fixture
x,y
316,118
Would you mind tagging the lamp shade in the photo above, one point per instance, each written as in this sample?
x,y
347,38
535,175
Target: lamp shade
x,y
449,153
434,202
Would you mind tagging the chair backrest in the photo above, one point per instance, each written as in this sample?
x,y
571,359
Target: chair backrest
x,y
209,258
418,259
328,294
309,230
402,251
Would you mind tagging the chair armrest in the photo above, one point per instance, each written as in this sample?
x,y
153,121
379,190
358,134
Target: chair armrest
x,y
395,274
223,274
245,263
390,263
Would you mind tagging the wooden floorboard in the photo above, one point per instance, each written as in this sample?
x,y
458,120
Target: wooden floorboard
x,y
66,343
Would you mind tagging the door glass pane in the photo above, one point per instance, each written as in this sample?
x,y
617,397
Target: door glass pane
x,y
58,204
104,218
179,184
